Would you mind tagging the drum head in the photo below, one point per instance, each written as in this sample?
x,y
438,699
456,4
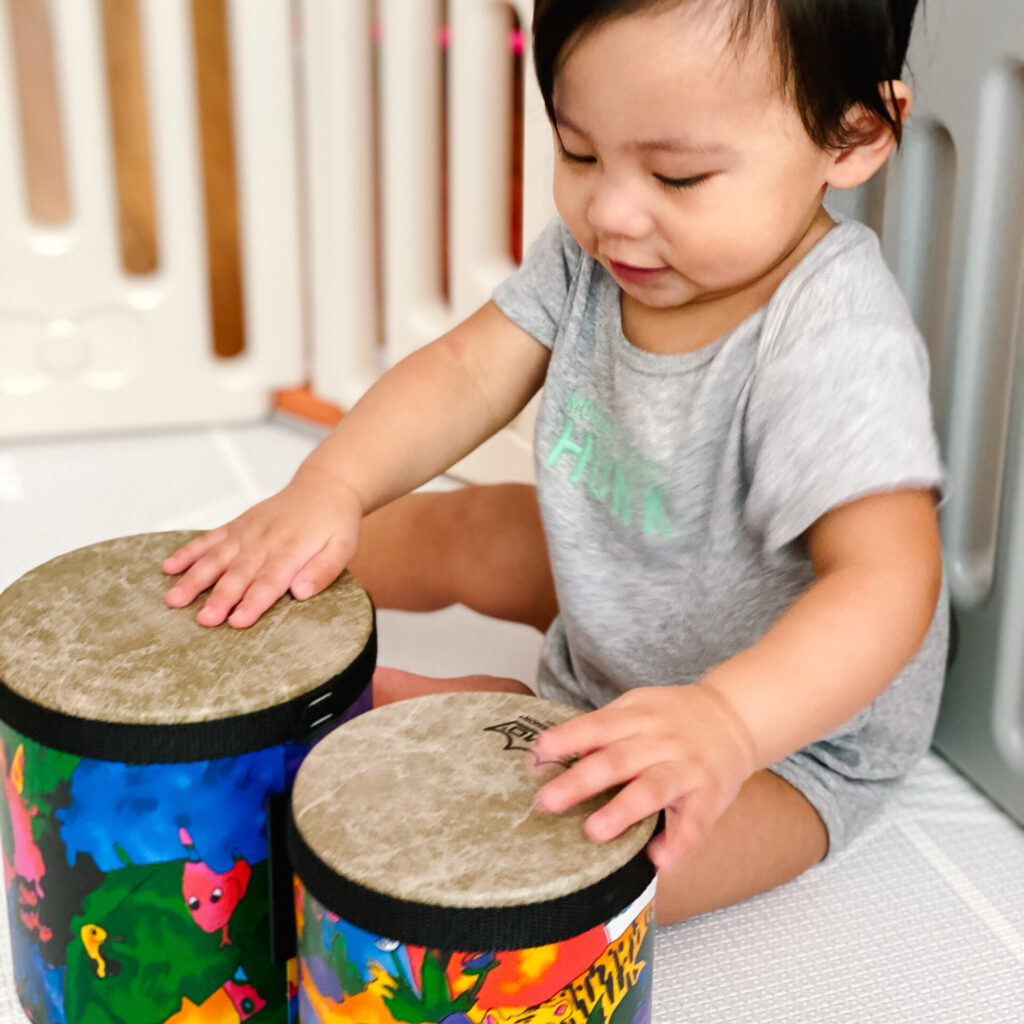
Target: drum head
x,y
431,801
88,635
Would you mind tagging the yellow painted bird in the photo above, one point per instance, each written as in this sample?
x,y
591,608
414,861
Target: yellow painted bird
x,y
93,936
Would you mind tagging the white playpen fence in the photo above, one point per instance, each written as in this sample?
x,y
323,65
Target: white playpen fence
x,y
350,255
341,152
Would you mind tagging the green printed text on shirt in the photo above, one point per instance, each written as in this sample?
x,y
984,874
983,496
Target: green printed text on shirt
x,y
595,457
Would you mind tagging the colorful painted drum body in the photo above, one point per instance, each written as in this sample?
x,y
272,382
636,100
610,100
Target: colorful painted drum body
x,y
146,763
429,889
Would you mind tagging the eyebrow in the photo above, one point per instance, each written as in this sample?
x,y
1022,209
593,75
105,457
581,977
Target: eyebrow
x,y
680,145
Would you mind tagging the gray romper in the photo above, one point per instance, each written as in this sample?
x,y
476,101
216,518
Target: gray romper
x,y
674,489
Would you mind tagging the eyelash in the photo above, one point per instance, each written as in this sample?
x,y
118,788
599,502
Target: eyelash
x,y
575,158
670,183
680,183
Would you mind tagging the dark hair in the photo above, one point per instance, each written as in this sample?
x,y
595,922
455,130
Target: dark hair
x,y
834,54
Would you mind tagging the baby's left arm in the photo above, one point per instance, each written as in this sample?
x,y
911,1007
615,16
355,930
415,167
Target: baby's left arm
x,y
878,571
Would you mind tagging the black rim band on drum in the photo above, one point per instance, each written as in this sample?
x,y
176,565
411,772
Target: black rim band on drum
x,y
294,720
469,929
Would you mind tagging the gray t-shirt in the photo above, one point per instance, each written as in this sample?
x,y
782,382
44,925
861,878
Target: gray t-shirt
x,y
674,489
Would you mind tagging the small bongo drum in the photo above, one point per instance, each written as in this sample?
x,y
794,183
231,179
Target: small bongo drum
x,y
428,888
146,762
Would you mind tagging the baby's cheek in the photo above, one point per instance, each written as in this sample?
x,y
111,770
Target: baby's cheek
x,y
571,207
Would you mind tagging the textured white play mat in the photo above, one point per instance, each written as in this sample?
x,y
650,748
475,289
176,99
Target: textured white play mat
x,y
921,920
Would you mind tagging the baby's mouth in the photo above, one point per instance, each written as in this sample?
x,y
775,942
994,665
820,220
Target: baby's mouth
x,y
628,272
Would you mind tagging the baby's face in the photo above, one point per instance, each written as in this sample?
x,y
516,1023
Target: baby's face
x,y
685,170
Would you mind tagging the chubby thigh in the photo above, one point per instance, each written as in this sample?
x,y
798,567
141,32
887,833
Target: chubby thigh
x,y
769,835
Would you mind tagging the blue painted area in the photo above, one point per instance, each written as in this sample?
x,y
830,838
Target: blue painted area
x,y
39,985
306,1011
122,812
326,982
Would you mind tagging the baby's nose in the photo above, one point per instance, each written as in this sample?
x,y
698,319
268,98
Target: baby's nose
x,y
617,210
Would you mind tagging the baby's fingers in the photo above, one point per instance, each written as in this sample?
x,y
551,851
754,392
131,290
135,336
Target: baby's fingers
x,y
598,771
231,584
652,790
254,594
195,549
579,736
323,568
305,576
203,573
686,827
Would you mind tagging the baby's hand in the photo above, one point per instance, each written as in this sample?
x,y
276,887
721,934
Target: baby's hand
x,y
678,748
300,538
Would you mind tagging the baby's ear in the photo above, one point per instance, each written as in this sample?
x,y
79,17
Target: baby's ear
x,y
856,163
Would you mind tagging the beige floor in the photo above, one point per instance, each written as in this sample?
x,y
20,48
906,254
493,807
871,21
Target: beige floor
x,y
922,919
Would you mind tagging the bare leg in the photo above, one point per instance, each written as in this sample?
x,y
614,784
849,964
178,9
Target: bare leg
x,y
481,546
393,684
768,835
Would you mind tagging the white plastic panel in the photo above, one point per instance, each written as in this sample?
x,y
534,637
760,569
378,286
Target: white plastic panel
x,y
339,143
953,229
478,191
338,80
479,151
985,340
410,62
263,83
84,346
1007,711
927,189
538,147
78,53
954,232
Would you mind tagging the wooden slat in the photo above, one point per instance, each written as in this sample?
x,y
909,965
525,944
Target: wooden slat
x,y
46,178
216,118
126,88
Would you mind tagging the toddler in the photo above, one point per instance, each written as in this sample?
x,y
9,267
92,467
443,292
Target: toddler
x,y
739,566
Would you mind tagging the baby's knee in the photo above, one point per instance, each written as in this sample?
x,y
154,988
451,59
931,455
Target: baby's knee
x,y
393,684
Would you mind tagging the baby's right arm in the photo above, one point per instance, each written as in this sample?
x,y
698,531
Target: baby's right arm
x,y
420,418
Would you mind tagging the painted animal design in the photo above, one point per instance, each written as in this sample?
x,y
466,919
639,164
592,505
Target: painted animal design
x,y
26,869
235,1001
27,864
244,997
93,937
212,897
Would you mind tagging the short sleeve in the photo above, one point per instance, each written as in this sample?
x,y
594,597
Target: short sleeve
x,y
834,416
534,297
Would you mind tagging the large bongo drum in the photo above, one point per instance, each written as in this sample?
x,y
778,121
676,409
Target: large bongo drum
x,y
146,762
429,888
